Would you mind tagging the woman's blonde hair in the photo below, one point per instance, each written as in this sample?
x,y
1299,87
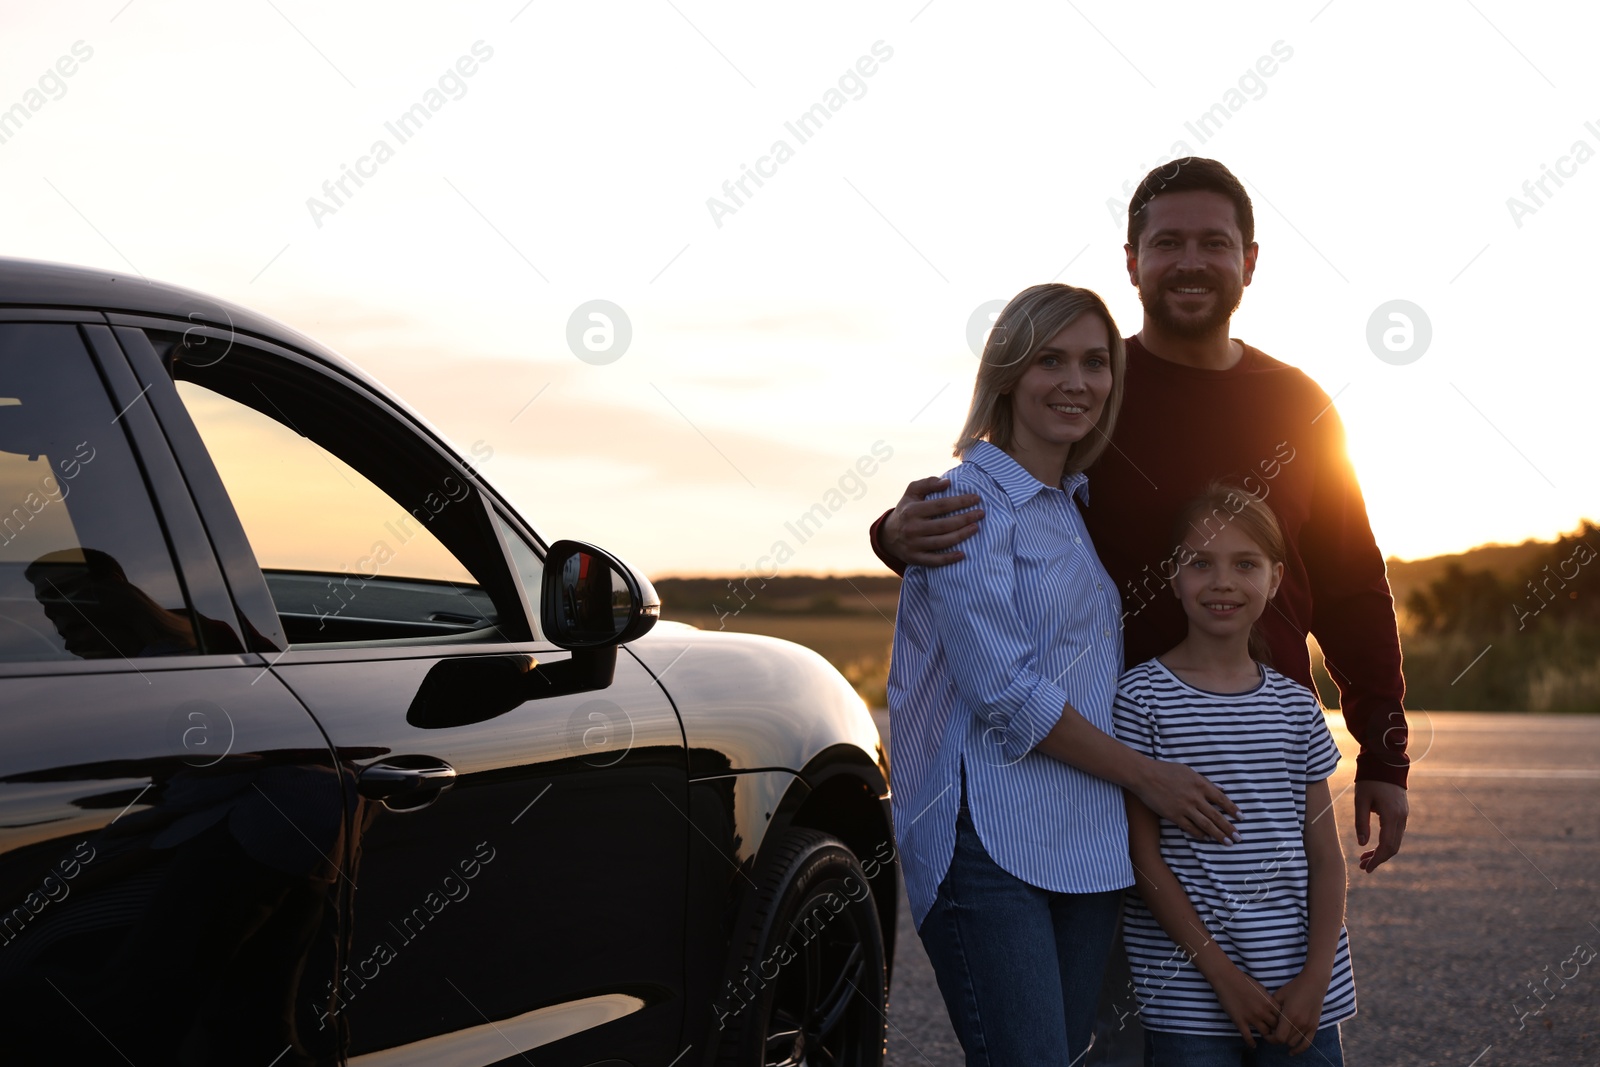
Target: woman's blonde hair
x,y
1032,318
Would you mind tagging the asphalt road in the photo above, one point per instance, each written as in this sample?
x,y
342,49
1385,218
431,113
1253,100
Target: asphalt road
x,y
1495,895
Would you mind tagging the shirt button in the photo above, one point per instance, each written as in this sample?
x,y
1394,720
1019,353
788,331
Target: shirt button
x,y
1106,632
1077,540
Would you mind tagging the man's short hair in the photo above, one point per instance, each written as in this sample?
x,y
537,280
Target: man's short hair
x,y
1190,174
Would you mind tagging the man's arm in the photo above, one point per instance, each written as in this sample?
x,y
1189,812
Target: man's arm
x,y
921,531
1354,623
1301,997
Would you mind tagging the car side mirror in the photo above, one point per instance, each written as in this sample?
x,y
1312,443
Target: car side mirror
x,y
590,599
589,602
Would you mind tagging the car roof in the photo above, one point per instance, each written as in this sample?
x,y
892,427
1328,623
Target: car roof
x,y
38,283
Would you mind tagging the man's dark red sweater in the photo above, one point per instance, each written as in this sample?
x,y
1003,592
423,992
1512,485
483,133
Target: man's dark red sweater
x,y
1269,427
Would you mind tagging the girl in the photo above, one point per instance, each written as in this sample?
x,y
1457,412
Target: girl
x,y
1008,819
1233,948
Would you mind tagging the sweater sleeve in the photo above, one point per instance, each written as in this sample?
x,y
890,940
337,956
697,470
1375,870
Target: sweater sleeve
x,y
1353,612
875,535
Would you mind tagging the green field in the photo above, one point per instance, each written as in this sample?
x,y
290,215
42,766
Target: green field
x,y
856,643
1494,629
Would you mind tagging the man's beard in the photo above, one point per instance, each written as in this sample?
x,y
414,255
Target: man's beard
x,y
1191,326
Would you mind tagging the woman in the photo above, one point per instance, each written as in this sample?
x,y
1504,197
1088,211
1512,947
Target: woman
x,y
1008,812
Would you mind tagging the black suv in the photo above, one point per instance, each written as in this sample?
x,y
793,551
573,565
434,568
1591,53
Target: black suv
x,y
312,750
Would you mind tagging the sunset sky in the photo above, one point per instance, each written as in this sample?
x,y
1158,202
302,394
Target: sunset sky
x,y
780,333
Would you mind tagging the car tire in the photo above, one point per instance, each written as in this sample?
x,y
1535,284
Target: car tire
x,y
808,983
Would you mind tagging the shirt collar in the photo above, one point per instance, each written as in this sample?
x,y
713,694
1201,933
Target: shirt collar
x,y
1018,485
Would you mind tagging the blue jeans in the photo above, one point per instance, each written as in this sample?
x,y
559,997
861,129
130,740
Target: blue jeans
x,y
1019,967
1215,1050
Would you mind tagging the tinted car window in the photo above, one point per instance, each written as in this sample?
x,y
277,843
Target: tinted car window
x,y
363,532
85,569
303,508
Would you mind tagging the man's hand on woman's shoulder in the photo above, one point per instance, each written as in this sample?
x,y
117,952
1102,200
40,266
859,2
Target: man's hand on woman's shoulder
x,y
919,531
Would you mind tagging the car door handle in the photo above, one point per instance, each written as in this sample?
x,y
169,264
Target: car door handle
x,y
404,786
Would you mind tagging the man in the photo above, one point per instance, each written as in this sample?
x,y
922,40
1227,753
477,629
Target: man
x,y
1201,406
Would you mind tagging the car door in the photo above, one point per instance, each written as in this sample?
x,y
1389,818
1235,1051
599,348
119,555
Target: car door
x,y
519,864
170,816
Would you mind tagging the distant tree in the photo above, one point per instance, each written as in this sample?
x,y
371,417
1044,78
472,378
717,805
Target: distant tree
x,y
1524,642
1461,601
1561,590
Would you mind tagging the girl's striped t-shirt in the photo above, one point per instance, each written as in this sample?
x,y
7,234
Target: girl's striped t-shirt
x,y
1260,747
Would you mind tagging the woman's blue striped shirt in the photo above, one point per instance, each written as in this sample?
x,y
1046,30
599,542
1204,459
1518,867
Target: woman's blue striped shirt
x,y
987,652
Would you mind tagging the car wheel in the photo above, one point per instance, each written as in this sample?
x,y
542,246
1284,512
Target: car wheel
x,y
809,986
